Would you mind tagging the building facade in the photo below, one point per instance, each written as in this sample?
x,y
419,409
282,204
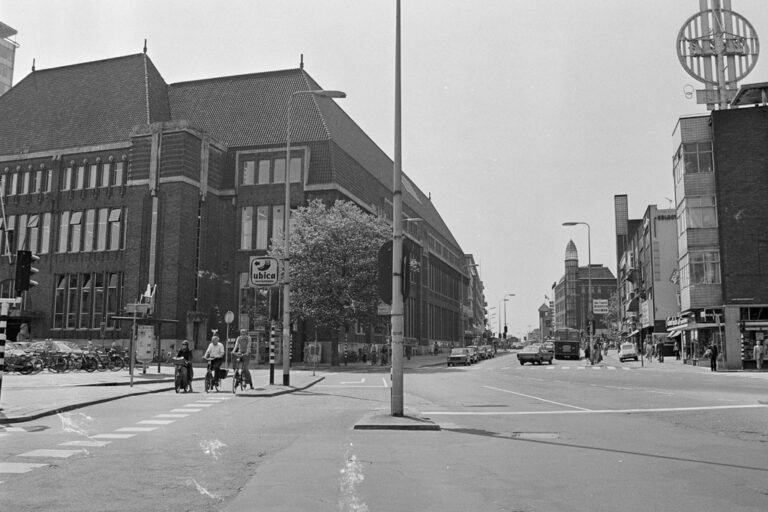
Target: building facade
x,y
719,168
572,292
648,274
118,180
7,57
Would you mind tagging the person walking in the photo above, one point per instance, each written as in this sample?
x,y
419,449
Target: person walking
x,y
186,353
677,350
713,357
242,350
757,352
660,351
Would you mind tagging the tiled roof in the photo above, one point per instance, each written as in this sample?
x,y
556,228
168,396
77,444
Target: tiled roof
x,y
596,272
83,104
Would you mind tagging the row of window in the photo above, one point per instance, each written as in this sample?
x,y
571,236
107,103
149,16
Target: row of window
x,y
259,224
693,158
696,212
85,301
101,229
270,168
82,177
702,267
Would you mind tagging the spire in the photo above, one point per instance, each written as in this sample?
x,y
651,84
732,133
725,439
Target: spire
x,y
570,251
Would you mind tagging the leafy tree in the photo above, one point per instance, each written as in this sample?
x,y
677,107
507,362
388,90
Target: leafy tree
x,y
333,266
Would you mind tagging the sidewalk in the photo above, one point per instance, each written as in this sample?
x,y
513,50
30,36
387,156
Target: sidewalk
x,y
29,397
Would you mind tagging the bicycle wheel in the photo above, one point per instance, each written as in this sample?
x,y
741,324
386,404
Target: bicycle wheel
x,y
60,364
117,363
177,384
90,364
208,381
235,382
37,365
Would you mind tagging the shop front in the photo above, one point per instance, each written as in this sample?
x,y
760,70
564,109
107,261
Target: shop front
x,y
695,331
753,329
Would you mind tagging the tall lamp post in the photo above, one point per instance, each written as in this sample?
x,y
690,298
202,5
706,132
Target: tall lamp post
x,y
505,311
286,227
590,316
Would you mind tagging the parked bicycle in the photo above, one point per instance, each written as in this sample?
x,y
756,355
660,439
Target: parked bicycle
x,y
107,360
53,361
23,363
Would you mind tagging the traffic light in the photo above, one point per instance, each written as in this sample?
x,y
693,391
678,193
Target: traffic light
x,y
275,304
25,271
505,332
385,272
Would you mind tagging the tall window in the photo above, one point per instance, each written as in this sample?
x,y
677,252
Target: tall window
x,y
113,299
279,174
21,238
48,180
60,302
98,299
118,174
262,227
249,173
75,223
45,238
264,167
33,228
101,233
25,182
85,303
13,186
114,229
105,171
93,176
9,229
277,220
64,232
80,178
37,184
246,228
90,225
295,169
705,267
72,301
66,179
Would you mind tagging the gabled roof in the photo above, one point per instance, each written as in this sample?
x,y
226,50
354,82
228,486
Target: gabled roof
x,y
596,271
83,104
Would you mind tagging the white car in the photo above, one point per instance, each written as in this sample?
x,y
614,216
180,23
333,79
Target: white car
x,y
627,351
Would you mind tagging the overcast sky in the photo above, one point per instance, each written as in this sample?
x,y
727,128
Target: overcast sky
x,y
517,115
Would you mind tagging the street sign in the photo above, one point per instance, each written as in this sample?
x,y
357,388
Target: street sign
x,y
600,306
229,317
264,271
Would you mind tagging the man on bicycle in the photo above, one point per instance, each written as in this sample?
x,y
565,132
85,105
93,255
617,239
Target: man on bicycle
x,y
243,351
215,352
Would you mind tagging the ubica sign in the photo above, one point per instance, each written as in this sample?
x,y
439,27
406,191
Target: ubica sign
x,y
263,271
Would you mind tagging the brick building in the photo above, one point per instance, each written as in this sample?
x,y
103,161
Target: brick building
x,y
721,184
117,180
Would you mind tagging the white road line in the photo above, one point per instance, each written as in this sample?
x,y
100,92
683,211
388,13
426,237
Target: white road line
x,y
536,398
155,422
186,410
659,392
198,405
171,415
59,454
18,467
593,411
361,381
113,436
90,444
136,429
385,382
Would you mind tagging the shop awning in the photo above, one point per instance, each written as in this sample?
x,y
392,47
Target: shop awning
x,y
633,333
674,334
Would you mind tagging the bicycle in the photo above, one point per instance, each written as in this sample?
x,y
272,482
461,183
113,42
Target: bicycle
x,y
211,380
240,379
181,375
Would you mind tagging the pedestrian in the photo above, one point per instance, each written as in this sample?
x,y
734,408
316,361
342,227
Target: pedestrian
x,y
757,351
660,351
587,353
242,350
649,351
677,350
185,353
713,357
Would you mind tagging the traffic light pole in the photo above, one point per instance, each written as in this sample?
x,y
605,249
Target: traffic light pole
x,y
5,305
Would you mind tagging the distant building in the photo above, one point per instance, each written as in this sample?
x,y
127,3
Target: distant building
x,y
647,272
473,310
7,57
721,197
572,294
545,321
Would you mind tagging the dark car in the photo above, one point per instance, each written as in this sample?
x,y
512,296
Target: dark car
x,y
535,354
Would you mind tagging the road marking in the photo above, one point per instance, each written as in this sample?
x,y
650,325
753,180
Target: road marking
x,y
362,381
198,405
136,429
536,398
113,436
90,444
171,415
659,392
385,382
186,410
59,454
155,422
18,467
592,411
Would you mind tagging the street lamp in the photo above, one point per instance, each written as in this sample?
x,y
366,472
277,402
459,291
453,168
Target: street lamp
x,y
590,316
286,226
505,312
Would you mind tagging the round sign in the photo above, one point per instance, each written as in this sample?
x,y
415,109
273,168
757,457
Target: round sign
x,y
229,317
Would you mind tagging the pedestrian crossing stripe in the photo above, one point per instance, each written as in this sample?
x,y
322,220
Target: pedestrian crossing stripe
x,y
19,467
59,454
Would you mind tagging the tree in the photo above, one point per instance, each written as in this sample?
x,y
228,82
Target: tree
x,y
333,264
613,317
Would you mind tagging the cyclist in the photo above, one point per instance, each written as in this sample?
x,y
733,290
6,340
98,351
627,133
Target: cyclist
x,y
186,353
215,352
243,351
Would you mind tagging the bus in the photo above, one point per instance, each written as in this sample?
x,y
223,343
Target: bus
x,y
567,343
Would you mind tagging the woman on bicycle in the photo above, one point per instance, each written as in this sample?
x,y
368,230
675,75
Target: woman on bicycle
x,y
187,355
243,351
215,352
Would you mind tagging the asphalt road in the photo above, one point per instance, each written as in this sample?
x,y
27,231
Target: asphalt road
x,y
535,438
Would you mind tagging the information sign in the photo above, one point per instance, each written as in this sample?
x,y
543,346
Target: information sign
x,y
263,271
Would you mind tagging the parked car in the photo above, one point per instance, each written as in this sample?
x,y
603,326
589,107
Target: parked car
x,y
459,356
474,353
627,351
517,345
535,353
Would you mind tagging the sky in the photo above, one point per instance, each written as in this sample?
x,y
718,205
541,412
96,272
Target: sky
x,y
517,115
